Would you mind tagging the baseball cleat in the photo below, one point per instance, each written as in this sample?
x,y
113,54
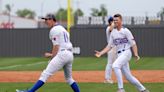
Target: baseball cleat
x,y
17,90
108,81
121,90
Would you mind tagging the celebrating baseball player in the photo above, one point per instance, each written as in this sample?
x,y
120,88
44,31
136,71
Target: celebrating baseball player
x,y
111,54
123,40
61,55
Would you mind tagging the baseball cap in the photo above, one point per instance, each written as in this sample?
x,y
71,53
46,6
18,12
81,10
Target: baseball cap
x,y
49,16
110,19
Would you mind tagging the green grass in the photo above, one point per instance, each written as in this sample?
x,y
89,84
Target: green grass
x,y
80,63
153,63
21,64
85,87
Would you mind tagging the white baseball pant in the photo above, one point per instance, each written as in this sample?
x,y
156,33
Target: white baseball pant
x,y
63,59
121,66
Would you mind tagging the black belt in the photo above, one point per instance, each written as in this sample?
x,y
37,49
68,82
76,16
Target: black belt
x,y
120,51
66,49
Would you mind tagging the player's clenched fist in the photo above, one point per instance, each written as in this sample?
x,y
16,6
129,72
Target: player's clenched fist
x,y
137,58
97,54
47,55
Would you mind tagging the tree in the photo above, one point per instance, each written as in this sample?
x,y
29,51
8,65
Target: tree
x,y
161,14
7,10
78,12
95,12
61,14
26,13
102,12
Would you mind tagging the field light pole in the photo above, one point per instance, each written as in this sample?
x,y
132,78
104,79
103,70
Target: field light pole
x,y
42,7
68,15
0,6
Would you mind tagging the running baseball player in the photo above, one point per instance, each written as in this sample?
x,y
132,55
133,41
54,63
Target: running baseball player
x,y
123,40
61,55
110,55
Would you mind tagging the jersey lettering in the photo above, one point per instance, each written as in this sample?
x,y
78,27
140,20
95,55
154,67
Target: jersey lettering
x,y
119,41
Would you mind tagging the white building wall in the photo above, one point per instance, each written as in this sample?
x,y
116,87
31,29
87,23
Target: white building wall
x,y
16,22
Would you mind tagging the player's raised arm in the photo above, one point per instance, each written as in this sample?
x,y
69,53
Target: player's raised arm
x,y
110,23
111,26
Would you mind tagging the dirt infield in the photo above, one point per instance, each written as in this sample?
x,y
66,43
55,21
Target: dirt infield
x,y
146,76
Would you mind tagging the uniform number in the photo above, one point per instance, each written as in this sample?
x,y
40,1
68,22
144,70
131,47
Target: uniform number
x,y
65,36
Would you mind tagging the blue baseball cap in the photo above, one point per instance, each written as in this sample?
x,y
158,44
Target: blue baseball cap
x,y
110,19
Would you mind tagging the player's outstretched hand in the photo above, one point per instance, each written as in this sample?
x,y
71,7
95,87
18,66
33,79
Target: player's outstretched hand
x,y
97,54
137,58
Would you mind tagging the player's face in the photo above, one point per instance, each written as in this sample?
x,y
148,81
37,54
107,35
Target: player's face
x,y
49,22
117,22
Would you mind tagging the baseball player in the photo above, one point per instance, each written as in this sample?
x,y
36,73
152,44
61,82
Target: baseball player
x,y
111,54
123,40
61,55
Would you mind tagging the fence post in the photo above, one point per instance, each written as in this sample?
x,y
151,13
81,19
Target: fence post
x,y
147,20
132,21
103,18
162,19
90,19
75,20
